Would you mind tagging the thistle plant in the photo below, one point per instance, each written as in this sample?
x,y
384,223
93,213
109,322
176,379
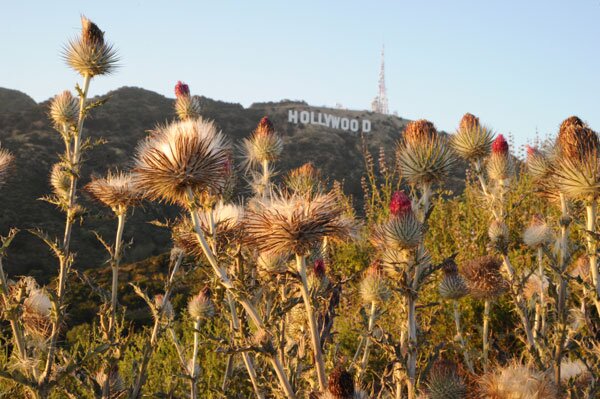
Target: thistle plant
x,y
262,148
495,184
293,224
453,287
186,106
444,382
200,307
518,382
181,163
485,282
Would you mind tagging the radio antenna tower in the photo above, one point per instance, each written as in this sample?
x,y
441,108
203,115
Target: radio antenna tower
x,y
380,103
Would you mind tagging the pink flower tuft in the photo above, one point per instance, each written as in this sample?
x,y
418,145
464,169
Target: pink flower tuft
x,y
181,89
400,204
500,145
319,268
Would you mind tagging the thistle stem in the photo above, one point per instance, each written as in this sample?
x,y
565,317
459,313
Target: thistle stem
x,y
115,268
591,214
228,285
461,339
312,323
193,375
266,178
65,258
365,358
14,321
412,347
542,322
486,328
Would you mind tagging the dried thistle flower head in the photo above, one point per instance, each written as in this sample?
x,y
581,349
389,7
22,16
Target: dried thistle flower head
x,y
64,109
574,369
117,190
116,384
164,306
36,316
291,223
444,382
538,164
263,145
483,277
373,287
576,140
304,180
89,54
535,285
60,180
402,231
269,264
577,169
341,384
186,106
452,285
498,234
187,155
425,158
400,204
517,382
581,268
472,141
538,233
263,340
500,165
419,131
6,163
201,306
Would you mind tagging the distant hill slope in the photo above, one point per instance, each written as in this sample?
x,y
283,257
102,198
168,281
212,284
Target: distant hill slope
x,y
122,122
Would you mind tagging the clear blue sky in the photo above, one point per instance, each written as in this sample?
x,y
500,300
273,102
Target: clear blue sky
x,y
519,65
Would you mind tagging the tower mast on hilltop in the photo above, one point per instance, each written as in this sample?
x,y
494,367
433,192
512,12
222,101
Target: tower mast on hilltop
x,y
380,103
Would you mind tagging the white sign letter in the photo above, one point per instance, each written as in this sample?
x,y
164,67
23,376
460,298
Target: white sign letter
x,y
354,125
293,116
366,126
345,124
304,117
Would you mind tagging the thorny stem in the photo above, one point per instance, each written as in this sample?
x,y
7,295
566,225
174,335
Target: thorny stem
x,y
228,285
365,358
65,258
115,268
486,329
412,347
193,375
312,323
266,178
562,289
461,339
591,213
14,322
542,322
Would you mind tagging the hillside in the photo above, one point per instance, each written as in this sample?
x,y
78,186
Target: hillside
x,y
122,122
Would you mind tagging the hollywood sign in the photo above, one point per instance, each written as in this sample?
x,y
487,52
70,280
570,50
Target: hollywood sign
x,y
329,120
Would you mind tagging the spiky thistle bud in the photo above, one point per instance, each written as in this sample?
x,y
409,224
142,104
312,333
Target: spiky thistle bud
x,y
500,165
317,278
373,287
400,204
578,166
472,141
164,306
269,264
117,191
263,145
538,164
403,230
452,285
424,158
576,140
187,155
498,234
483,277
6,164
201,306
536,285
419,131
304,180
263,340
444,382
538,233
64,109
89,54
187,107
517,382
182,89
